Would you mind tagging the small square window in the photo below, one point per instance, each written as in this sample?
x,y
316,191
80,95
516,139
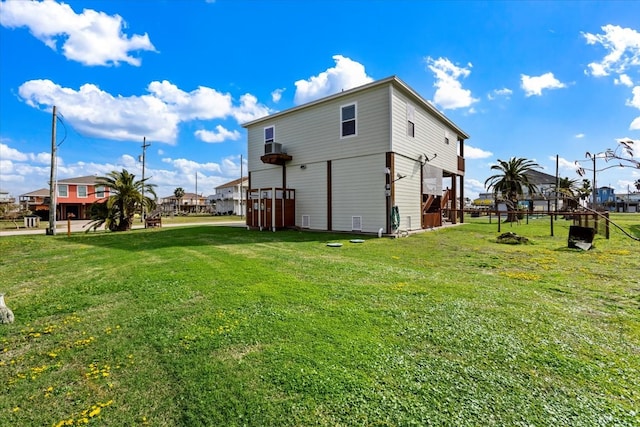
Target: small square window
x,y
63,190
269,134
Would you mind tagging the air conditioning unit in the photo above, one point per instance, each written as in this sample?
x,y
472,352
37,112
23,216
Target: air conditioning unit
x,y
272,148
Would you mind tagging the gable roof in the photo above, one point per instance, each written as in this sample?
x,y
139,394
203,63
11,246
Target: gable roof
x,y
393,80
90,179
540,178
233,183
40,192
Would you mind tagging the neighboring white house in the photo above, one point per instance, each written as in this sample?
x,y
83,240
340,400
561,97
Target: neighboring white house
x,y
229,198
376,157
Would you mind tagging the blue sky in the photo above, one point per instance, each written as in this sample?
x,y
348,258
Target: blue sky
x,y
524,79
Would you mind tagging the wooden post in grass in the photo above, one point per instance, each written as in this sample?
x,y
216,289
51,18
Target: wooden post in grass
x,y
69,217
550,215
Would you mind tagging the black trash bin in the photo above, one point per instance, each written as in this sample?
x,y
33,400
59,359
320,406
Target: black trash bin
x,y
581,237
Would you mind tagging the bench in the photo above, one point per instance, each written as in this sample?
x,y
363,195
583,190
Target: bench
x,y
152,222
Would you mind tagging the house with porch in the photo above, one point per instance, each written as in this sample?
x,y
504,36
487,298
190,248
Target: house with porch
x,y
74,197
229,198
373,159
188,203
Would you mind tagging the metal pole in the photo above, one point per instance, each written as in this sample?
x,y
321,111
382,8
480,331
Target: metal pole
x,y
595,192
241,193
52,179
144,155
557,183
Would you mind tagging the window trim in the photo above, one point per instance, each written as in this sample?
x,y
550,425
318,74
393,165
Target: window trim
x,y
66,190
86,191
273,137
411,120
355,120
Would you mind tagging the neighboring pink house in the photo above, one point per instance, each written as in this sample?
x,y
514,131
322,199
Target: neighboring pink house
x,y
74,196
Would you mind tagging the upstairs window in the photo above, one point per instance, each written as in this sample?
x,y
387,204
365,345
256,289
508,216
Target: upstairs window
x,y
82,191
446,137
348,120
99,191
411,120
63,190
269,134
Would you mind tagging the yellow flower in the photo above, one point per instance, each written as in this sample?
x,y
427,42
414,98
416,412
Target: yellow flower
x,y
16,409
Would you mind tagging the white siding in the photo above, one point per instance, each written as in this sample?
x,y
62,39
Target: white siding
x,y
313,135
267,178
429,135
407,192
359,190
310,184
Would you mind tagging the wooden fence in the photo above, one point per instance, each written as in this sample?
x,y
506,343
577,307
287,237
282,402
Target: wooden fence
x,y
598,221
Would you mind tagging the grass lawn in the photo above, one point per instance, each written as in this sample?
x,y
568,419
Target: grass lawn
x,y
221,326
186,219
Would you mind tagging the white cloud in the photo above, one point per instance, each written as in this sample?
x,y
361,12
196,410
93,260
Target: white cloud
x,y
449,92
156,115
347,74
21,175
476,153
190,167
473,187
635,101
580,136
6,166
276,95
203,103
8,153
535,85
249,109
635,124
564,164
624,80
219,135
505,92
91,38
93,112
622,45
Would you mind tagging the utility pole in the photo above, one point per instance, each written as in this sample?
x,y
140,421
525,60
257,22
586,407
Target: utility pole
x,y
557,183
241,192
595,191
197,198
144,155
52,179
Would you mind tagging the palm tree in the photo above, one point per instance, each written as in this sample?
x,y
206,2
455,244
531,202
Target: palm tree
x,y
568,189
585,191
511,182
179,194
126,197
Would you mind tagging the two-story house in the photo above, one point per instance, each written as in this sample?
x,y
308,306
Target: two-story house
x,y
374,159
229,198
188,203
74,196
36,201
